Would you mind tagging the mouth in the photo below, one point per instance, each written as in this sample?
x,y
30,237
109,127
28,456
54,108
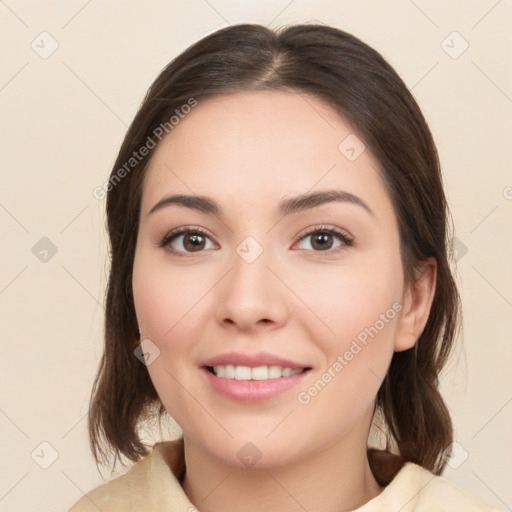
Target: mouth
x,y
252,378
259,373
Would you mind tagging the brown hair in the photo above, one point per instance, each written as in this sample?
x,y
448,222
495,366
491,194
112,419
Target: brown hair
x,y
362,87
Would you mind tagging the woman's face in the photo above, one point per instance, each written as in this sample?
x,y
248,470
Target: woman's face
x,y
267,283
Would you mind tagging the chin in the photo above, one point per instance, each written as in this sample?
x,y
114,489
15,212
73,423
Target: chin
x,y
254,452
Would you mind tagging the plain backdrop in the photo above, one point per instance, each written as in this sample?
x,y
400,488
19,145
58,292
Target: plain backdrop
x,y
73,74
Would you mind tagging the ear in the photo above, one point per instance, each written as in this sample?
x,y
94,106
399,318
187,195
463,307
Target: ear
x,y
416,304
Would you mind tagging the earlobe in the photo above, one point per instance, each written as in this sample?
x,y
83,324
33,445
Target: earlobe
x,y
416,306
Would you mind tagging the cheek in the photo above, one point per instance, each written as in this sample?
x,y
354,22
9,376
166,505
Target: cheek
x,y
348,301
355,361
167,303
167,298
357,312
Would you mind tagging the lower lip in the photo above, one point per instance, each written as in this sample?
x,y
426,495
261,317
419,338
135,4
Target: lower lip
x,y
252,390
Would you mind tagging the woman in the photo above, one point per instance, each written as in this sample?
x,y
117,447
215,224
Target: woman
x,y
280,284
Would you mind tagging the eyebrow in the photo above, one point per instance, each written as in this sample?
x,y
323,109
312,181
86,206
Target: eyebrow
x,y
286,207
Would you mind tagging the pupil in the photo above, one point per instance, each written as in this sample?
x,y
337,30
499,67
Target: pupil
x,y
195,241
322,237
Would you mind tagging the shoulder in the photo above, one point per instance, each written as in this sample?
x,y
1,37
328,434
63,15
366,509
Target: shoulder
x,y
116,495
416,489
437,492
140,488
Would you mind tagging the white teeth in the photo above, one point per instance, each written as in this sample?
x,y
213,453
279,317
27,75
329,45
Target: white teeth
x,y
242,373
230,371
286,372
274,372
260,373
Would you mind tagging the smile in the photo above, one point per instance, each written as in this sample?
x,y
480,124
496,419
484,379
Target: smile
x,y
252,378
238,372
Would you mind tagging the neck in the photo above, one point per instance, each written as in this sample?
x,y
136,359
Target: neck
x,y
334,479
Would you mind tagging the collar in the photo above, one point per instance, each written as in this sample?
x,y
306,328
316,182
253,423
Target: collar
x,y
168,461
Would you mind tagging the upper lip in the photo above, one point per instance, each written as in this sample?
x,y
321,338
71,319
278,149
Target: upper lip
x,y
253,360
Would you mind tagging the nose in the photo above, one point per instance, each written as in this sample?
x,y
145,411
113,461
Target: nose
x,y
252,297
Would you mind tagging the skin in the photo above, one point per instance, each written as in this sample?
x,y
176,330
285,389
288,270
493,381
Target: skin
x,y
248,151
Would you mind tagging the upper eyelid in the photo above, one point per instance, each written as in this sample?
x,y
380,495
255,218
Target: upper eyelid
x,y
324,227
306,231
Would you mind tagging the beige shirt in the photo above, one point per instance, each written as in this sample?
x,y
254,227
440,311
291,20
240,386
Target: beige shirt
x,y
153,485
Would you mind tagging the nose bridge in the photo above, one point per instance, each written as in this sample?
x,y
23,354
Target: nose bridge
x,y
250,277
251,292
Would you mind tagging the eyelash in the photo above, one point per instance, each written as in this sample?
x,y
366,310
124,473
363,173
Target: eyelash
x,y
341,235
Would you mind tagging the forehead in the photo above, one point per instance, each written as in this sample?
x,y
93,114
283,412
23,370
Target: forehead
x,y
256,147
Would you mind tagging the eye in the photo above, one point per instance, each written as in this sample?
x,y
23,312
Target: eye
x,y
322,239
194,240
191,239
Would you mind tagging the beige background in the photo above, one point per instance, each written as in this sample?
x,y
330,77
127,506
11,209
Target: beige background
x,y
63,117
